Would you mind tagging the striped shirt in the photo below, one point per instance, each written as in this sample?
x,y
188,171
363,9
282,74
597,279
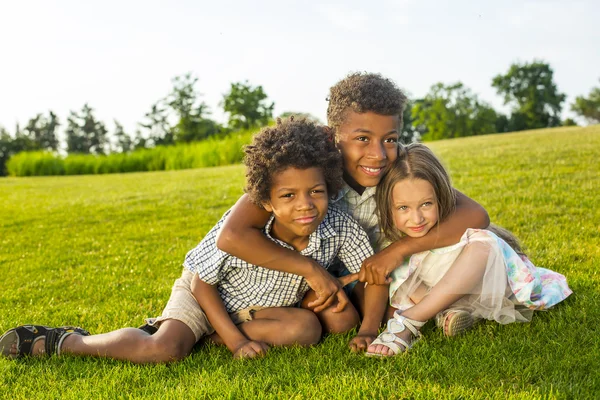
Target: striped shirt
x,y
242,285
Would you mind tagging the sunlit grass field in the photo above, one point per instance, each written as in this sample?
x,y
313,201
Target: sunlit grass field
x,y
102,252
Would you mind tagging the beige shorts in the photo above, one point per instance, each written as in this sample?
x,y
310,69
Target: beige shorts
x,y
182,306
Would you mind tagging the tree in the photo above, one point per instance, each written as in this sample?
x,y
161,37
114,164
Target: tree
x,y
410,132
157,126
140,141
531,91
10,145
42,131
85,134
247,106
6,149
124,143
192,122
588,107
452,111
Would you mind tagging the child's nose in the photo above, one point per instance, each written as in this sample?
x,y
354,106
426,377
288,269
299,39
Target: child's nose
x,y
416,217
305,202
377,151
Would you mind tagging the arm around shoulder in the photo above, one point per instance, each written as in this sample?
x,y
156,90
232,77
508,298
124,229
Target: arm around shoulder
x,y
241,236
468,214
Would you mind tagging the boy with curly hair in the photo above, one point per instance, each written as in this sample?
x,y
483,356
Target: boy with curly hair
x,y
292,170
365,113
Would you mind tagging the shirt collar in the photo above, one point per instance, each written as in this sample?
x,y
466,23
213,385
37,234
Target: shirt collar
x,y
347,191
323,232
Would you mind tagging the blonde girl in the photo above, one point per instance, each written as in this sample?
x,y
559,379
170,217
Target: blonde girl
x,y
485,275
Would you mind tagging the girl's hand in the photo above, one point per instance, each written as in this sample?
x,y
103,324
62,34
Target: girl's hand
x,y
376,269
251,349
360,342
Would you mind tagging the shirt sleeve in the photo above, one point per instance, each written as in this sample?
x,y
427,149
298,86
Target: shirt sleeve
x,y
206,259
355,247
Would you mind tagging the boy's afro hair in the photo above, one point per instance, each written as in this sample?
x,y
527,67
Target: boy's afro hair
x,y
292,143
362,92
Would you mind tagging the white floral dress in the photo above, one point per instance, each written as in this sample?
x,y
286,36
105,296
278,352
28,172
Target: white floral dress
x,y
510,288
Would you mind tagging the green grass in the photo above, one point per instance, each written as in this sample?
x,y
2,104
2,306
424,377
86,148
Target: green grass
x,y
102,252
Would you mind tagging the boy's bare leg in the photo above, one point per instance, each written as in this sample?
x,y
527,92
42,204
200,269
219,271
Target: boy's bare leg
x,y
334,322
173,341
463,276
281,326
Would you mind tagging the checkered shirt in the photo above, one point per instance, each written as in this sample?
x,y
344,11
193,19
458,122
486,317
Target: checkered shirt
x,y
242,285
362,208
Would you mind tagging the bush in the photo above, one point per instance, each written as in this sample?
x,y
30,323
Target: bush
x,y
208,153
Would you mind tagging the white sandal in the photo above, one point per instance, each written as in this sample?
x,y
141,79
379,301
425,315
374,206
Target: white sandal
x,y
389,339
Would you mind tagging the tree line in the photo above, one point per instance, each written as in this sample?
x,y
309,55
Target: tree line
x,y
452,110
446,111
179,117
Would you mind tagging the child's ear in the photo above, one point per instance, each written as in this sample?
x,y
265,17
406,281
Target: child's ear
x,y
330,132
267,206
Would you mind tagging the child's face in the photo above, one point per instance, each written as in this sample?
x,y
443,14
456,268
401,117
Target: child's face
x,y
298,200
368,142
414,207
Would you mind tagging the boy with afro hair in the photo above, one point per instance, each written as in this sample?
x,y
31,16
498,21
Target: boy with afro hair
x,y
365,113
292,170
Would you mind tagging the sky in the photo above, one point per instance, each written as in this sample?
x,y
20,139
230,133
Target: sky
x,y
120,56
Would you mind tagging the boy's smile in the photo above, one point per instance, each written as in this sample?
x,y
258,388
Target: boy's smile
x,y
369,142
414,207
298,200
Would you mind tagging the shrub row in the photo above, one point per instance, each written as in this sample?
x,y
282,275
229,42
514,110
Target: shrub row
x,y
208,153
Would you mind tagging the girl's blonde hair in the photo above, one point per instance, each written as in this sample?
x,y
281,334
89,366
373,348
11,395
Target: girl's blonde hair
x,y
415,161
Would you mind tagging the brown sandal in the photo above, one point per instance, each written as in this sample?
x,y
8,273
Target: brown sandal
x,y
25,337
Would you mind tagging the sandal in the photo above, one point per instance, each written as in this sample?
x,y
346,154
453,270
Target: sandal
x,y
389,339
149,329
25,337
454,322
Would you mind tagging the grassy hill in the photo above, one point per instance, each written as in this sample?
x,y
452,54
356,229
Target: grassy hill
x,y
103,251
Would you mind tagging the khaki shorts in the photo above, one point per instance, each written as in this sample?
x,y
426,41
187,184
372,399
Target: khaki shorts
x,y
182,306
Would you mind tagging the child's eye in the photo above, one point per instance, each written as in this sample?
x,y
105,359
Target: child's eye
x,y
391,140
427,204
362,138
402,208
287,195
318,191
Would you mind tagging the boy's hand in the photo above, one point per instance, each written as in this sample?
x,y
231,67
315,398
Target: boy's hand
x,y
361,342
327,288
251,349
376,269
347,279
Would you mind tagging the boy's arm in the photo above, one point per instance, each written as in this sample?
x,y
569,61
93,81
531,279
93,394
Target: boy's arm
x,y
241,237
468,214
209,300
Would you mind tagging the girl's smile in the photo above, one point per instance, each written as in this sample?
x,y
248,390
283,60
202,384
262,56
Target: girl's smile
x,y
415,208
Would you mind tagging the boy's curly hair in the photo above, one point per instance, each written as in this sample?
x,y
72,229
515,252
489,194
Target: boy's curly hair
x,y
292,143
362,92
